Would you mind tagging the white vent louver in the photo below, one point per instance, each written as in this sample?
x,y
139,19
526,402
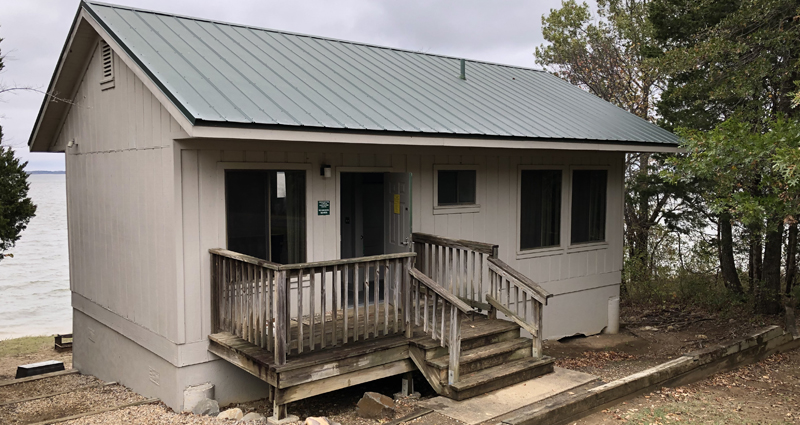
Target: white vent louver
x,y
107,62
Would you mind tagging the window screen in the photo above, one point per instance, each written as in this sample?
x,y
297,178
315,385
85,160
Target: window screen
x,y
540,208
589,205
266,216
456,187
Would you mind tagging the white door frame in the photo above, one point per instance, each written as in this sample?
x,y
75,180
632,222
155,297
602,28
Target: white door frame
x,y
338,208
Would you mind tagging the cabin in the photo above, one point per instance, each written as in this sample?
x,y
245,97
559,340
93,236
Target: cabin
x,y
283,215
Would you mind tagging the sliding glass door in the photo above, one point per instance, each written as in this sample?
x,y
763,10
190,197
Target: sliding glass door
x,y
266,214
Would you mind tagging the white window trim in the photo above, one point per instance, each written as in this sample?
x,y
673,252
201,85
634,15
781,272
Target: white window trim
x,y
545,250
456,209
593,245
266,166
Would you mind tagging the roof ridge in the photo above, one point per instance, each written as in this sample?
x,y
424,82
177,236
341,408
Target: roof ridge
x,y
338,40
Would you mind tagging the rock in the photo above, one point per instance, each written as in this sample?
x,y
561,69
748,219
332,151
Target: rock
x,y
670,328
648,328
235,414
319,421
206,407
253,418
701,337
375,406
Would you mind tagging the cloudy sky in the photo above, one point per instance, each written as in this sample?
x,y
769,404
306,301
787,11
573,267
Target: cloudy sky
x,y
504,31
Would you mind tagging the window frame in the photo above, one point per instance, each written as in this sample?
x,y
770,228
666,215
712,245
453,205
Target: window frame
x,y
591,245
222,167
456,209
545,250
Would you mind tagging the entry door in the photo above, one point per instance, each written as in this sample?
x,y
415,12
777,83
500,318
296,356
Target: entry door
x,y
397,212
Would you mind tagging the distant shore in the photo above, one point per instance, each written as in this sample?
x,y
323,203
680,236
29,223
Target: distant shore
x,y
46,172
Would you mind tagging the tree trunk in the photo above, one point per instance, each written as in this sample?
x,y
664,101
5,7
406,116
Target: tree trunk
x,y
726,262
755,255
791,258
769,296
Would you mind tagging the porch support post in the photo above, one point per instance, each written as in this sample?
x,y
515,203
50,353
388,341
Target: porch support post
x,y
407,387
281,323
280,411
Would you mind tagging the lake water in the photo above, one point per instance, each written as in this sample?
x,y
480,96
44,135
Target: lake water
x,y
34,285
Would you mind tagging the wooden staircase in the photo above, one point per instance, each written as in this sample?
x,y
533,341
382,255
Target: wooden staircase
x,y
493,356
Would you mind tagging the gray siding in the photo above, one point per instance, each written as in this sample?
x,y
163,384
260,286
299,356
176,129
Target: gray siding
x,y
584,275
120,180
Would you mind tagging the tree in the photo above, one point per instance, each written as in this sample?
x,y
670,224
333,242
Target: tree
x,y
609,57
734,58
16,208
732,156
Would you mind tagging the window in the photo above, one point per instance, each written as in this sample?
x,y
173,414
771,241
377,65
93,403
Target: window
x,y
266,214
106,66
456,187
589,205
540,208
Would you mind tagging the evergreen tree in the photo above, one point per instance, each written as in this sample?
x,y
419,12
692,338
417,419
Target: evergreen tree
x,y
16,208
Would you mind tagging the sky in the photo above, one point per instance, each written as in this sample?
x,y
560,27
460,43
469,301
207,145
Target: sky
x,y
502,31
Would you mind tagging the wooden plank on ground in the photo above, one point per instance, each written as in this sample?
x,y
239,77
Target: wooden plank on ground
x,y
96,412
37,377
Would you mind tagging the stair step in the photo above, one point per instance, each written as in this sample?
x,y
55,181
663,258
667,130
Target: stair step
x,y
497,377
487,356
474,333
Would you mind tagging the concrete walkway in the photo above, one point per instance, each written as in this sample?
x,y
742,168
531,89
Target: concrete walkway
x,y
500,402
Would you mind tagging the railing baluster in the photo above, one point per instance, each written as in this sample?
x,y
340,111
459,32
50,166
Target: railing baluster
x,y
335,285
323,305
300,335
367,288
312,308
442,318
270,303
345,313
376,299
398,289
356,284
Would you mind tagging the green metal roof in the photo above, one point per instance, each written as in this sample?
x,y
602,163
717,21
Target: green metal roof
x,y
222,73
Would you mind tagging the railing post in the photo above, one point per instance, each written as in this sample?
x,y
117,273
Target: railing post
x,y
407,298
455,345
215,294
537,339
281,324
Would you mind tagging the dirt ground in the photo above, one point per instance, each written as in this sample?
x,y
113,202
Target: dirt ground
x,y
766,392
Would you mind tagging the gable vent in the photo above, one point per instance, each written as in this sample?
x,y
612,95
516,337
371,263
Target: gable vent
x,y
107,63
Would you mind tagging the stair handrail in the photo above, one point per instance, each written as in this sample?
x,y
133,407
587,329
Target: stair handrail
x,y
425,289
504,279
533,288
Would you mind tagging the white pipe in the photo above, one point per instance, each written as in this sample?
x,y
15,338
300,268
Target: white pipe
x,y
613,315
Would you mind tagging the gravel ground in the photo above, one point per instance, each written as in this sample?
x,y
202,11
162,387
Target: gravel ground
x,y
84,400
155,414
45,386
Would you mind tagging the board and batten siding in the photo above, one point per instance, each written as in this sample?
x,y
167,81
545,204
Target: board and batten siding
x,y
121,197
582,278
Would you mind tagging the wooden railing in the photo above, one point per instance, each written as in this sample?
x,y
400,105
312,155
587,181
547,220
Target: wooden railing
x,y
523,303
458,265
293,308
440,314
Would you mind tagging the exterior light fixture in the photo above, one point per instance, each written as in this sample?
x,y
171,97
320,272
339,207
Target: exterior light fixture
x,y
325,171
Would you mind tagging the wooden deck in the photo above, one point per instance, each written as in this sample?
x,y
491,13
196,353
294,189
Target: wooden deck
x,y
494,356
295,326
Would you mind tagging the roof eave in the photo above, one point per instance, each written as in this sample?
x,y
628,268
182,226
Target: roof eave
x,y
223,130
54,103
